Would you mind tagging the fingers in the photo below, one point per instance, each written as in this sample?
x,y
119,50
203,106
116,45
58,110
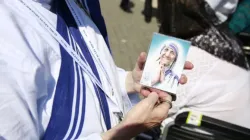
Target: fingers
x,y
188,65
141,61
183,79
163,108
152,99
145,91
162,94
161,111
165,98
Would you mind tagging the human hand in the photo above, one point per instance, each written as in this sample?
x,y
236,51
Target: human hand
x,y
146,114
134,77
137,71
151,111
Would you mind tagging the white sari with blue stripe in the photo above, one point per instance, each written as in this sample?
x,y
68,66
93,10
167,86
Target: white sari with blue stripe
x,y
43,92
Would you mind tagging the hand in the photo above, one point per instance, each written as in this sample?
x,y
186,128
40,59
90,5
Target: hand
x,y
134,77
150,112
145,115
137,71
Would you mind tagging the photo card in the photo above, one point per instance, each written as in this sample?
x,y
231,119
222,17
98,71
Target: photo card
x,y
165,63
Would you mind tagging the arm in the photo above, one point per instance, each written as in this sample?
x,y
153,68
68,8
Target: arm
x,y
18,73
21,79
18,117
25,78
119,132
145,115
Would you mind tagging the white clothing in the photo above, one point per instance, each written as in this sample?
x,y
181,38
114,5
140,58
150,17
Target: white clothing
x,y
215,88
223,8
30,63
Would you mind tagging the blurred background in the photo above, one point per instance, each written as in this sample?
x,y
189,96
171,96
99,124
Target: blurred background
x,y
129,33
130,28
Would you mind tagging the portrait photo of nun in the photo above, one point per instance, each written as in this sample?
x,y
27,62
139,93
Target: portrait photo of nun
x,y
165,62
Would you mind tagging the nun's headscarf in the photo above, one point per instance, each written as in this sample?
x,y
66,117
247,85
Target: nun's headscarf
x,y
169,71
174,48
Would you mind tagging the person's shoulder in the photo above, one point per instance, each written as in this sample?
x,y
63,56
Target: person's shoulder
x,y
14,11
22,38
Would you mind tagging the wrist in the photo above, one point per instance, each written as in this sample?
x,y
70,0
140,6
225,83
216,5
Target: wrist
x,y
130,83
122,131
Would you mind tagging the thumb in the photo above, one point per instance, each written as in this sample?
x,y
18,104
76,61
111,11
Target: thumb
x,y
152,99
161,111
141,61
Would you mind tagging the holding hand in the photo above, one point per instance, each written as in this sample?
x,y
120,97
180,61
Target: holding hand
x,y
149,112
145,115
133,79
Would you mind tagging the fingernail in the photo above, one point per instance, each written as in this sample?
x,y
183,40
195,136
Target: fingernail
x,y
181,79
167,98
192,65
170,97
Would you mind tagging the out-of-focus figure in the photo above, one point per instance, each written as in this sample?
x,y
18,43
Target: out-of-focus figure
x,y
240,21
126,6
148,10
219,86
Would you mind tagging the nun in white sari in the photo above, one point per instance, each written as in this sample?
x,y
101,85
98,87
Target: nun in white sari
x,y
44,91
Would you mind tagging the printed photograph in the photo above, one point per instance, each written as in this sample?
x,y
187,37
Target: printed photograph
x,y
165,62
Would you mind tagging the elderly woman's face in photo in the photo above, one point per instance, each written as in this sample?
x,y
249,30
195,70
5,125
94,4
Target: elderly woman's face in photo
x,y
167,56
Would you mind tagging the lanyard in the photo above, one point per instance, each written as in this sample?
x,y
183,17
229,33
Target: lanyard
x,y
78,14
84,65
73,6
63,43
